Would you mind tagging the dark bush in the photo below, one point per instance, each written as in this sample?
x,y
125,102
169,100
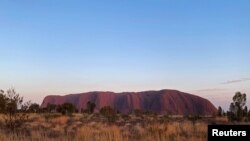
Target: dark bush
x,y
109,113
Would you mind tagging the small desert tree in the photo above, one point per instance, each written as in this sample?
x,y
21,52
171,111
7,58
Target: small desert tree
x,y
220,111
245,112
2,101
51,108
236,109
248,114
90,107
66,108
109,113
34,108
14,109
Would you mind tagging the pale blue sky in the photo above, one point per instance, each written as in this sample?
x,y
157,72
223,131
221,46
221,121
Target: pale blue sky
x,y
59,47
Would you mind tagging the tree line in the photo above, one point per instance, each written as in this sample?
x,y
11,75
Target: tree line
x,y
238,110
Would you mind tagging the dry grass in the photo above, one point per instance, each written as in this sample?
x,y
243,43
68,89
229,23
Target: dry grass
x,y
61,120
99,132
221,119
54,127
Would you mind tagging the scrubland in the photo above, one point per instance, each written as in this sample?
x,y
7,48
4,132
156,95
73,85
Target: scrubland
x,y
94,127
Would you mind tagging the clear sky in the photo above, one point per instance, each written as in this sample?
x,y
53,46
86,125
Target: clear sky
x,y
61,46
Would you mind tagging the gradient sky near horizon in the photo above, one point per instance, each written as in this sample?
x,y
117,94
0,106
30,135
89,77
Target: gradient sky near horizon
x,y
60,47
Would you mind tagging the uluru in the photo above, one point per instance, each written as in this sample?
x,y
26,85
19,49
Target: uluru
x,y
162,102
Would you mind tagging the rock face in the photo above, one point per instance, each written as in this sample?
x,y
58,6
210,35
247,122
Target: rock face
x,y
162,102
